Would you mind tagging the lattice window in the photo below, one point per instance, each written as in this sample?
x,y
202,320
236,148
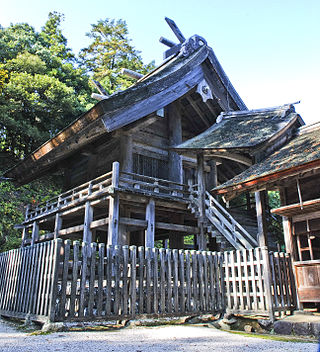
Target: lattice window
x,y
145,165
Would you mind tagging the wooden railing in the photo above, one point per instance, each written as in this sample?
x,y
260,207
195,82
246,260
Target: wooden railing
x,y
156,186
60,281
91,189
101,186
227,225
220,219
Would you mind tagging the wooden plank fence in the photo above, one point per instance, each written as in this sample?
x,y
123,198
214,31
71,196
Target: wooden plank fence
x,y
127,282
258,282
26,281
64,281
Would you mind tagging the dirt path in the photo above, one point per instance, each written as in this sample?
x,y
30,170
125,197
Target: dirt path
x,y
141,339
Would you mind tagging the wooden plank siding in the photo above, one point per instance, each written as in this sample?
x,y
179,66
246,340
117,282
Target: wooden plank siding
x,y
64,281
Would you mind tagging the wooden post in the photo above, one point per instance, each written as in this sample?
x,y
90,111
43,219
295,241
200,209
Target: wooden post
x,y
35,233
212,179
176,240
54,287
150,217
175,137
115,174
262,239
201,200
114,203
57,225
126,148
267,281
113,226
289,243
88,217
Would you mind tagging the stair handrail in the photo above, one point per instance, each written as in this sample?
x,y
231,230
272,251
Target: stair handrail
x,y
243,236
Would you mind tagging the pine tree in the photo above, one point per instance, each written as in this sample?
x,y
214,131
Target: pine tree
x,y
109,52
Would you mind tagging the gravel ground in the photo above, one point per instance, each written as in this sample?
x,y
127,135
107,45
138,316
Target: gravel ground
x,y
175,338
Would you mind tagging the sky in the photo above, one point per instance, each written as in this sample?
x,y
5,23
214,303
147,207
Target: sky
x,y
269,49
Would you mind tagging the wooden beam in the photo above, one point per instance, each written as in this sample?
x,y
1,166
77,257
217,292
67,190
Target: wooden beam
x,y
99,223
134,222
231,156
99,87
177,227
99,96
131,74
198,111
175,29
70,230
167,42
150,218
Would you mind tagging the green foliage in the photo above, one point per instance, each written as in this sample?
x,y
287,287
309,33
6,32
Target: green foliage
x,y
109,52
41,89
275,221
12,202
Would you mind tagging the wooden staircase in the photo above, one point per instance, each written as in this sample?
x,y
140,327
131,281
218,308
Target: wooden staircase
x,y
219,223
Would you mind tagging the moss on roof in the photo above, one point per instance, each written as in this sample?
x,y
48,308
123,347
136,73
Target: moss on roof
x,y
302,149
244,129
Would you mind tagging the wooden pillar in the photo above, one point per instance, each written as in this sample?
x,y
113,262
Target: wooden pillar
x,y
262,239
93,158
201,240
113,226
35,232
124,234
212,178
175,137
150,217
57,225
267,281
88,217
126,153
287,228
114,203
176,239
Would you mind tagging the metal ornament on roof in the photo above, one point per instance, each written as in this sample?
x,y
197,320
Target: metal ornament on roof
x,y
204,90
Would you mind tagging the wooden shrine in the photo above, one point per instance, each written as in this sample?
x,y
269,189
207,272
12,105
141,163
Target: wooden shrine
x,y
294,170
124,183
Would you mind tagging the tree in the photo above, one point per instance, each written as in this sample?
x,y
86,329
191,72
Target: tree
x,y
109,52
41,89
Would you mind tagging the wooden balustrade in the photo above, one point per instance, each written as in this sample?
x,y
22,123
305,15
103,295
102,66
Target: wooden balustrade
x,y
101,186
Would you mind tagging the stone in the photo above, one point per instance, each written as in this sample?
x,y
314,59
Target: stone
x,y
229,321
283,327
248,328
53,327
265,323
224,326
302,329
315,329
